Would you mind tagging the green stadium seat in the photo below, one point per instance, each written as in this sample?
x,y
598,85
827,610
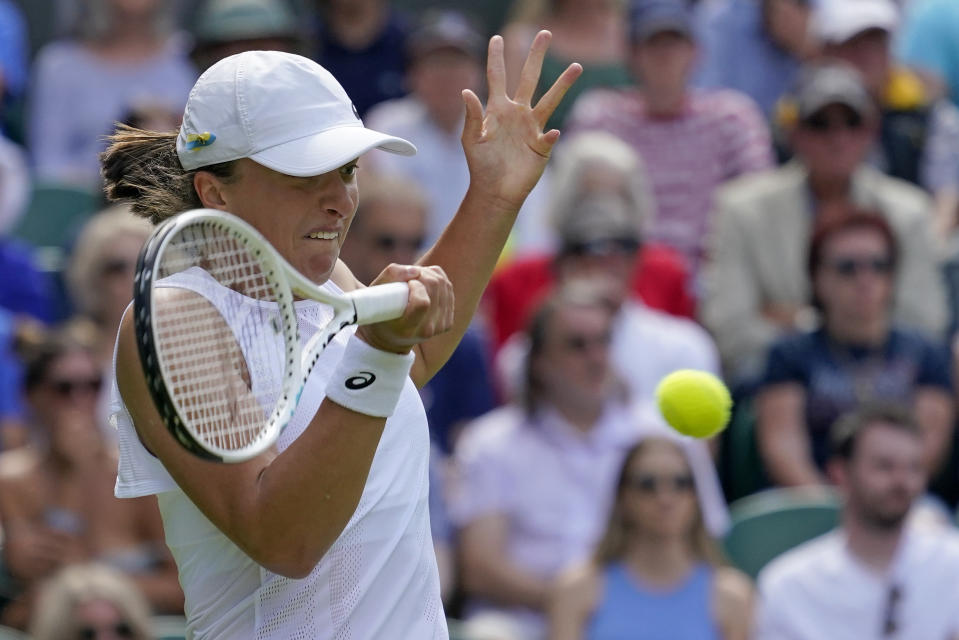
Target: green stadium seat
x,y
54,216
767,524
168,627
740,466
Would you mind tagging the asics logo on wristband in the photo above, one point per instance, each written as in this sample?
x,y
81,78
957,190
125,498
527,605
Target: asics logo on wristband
x,y
361,381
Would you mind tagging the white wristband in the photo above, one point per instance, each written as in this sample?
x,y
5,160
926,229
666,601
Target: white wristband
x,y
369,381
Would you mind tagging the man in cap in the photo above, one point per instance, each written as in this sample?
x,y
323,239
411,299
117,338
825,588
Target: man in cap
x,y
756,283
225,27
692,141
445,55
919,134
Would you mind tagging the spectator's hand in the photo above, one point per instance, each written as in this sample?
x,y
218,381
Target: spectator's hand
x,y
787,316
506,149
39,552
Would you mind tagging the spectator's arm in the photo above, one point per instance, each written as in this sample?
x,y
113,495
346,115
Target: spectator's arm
x,y
732,306
783,437
935,413
574,598
161,586
920,291
487,571
733,604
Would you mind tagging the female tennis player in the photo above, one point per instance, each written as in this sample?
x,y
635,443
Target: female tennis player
x,y
327,534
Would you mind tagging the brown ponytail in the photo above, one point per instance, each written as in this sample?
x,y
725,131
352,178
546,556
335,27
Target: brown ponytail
x,y
141,168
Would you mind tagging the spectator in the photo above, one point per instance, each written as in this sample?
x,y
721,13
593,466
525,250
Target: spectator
x,y
757,286
590,32
535,478
445,54
754,46
389,227
875,576
928,43
56,495
100,283
858,355
918,134
592,163
225,27
441,529
14,54
363,44
124,56
90,601
657,573
692,140
31,292
601,241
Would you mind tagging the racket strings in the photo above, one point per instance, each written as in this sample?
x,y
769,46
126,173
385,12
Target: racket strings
x,y
222,349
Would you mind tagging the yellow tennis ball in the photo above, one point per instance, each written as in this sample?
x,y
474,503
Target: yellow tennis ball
x,y
694,403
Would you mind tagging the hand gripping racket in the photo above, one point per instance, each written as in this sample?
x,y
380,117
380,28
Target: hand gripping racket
x,y
218,335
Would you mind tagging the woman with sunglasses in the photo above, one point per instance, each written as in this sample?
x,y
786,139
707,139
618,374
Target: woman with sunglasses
x,y
656,572
56,494
857,354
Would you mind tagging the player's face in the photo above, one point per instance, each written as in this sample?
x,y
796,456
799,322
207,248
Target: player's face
x,y
305,219
884,476
660,496
854,281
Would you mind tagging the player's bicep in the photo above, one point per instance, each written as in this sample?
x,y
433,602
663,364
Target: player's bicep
x,y
225,493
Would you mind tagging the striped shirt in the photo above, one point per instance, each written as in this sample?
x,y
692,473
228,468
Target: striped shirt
x,y
719,135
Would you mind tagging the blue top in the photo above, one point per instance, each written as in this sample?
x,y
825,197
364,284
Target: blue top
x,y
13,49
737,54
631,610
927,40
838,377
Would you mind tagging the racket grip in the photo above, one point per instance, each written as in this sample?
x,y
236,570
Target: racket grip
x,y
381,302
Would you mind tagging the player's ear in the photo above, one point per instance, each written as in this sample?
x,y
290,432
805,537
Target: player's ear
x,y
209,188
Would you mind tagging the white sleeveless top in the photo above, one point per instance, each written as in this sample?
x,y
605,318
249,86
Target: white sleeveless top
x,y
378,580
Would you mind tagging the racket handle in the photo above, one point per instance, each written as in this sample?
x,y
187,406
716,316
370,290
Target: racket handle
x,y
381,302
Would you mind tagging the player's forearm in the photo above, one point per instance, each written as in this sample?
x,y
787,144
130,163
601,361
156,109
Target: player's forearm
x,y
307,495
468,251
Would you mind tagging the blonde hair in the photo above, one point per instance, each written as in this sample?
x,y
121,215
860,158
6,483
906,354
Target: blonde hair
x,y
390,188
95,238
142,168
599,149
615,540
96,19
53,615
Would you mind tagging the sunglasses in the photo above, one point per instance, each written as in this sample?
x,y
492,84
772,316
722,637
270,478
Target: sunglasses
x,y
850,267
889,624
388,242
120,630
117,267
650,484
70,388
822,123
582,343
605,247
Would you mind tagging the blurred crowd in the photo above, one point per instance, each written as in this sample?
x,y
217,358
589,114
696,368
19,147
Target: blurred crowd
x,y
767,190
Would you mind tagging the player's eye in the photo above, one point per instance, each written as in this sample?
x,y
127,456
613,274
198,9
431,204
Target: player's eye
x,y
349,170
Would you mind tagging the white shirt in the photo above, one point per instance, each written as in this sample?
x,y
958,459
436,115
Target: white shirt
x,y
819,590
439,168
378,580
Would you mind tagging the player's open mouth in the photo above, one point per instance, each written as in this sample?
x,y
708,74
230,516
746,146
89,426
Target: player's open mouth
x,y
323,235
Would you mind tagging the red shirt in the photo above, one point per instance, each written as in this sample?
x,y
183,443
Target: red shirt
x,y
660,280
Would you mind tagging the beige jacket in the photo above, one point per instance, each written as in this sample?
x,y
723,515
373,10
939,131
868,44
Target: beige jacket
x,y
759,248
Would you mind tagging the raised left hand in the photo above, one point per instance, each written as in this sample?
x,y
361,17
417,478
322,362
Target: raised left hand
x,y
506,148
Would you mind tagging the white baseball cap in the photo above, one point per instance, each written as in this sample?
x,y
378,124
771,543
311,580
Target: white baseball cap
x,y
282,111
836,21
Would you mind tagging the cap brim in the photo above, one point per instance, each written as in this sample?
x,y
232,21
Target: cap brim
x,y
322,152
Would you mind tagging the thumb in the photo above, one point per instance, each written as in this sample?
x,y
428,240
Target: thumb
x,y
473,127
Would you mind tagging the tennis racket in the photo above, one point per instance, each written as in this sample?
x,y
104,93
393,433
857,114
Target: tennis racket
x,y
218,335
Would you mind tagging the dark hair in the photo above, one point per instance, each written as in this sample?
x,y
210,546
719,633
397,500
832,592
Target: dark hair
x,y
846,219
38,347
848,429
141,168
